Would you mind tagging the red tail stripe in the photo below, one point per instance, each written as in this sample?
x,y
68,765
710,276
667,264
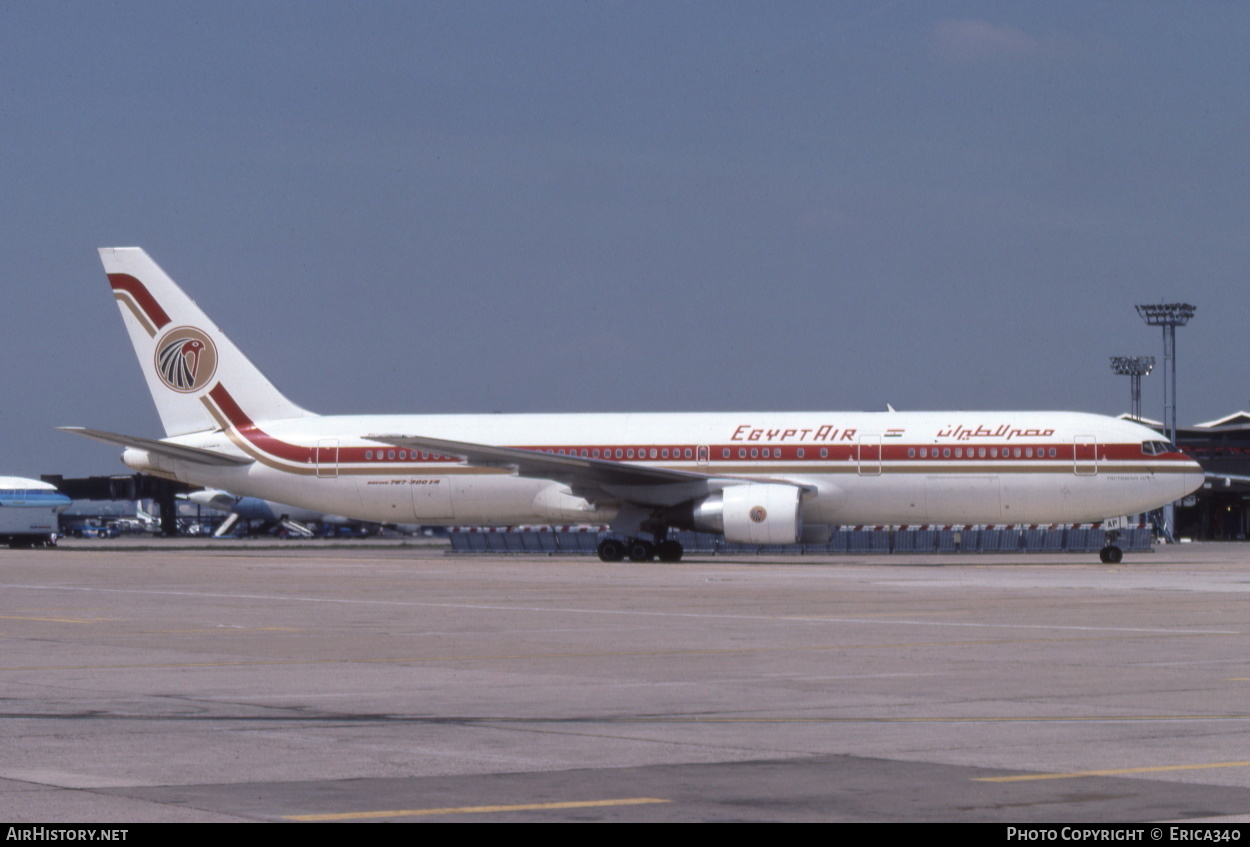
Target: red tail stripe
x,y
141,295
257,436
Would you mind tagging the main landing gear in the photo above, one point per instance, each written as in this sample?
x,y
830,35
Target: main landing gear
x,y
639,550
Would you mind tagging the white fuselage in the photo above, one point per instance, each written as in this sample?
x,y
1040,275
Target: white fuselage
x,y
890,468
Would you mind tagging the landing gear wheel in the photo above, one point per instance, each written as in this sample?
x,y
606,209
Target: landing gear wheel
x,y
1111,555
669,551
641,551
611,550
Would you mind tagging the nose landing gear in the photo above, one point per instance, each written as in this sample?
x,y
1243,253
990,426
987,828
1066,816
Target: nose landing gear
x,y
1111,554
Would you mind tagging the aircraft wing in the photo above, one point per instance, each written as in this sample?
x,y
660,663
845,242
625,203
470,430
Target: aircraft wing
x,y
161,448
594,479
1227,478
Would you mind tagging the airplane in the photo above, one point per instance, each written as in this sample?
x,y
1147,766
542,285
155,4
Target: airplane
x,y
754,477
294,519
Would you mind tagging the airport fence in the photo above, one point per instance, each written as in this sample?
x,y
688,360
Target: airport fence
x,y
857,540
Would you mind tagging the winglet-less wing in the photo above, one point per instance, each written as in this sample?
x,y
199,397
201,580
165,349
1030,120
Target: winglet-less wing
x,y
162,448
544,465
596,479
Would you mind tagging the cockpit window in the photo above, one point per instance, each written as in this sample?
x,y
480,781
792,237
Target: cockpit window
x,y
1155,448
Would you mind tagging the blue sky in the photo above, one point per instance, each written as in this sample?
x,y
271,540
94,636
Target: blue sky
x,y
606,206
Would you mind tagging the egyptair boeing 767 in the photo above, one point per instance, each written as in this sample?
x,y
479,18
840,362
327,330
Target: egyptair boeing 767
x,y
755,477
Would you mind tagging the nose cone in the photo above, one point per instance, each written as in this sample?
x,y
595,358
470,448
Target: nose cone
x,y
1191,479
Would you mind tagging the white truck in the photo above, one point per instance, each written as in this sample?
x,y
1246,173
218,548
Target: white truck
x,y
28,512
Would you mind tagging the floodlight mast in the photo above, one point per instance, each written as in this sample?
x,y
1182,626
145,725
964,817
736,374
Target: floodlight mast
x,y
1169,316
1134,367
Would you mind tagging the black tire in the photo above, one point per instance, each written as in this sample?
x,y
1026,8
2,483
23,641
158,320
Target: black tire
x,y
669,551
611,550
641,551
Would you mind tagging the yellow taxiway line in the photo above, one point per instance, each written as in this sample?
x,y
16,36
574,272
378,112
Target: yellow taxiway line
x,y
475,810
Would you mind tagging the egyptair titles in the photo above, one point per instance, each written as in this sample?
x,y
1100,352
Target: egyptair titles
x,y
746,432
830,433
1004,431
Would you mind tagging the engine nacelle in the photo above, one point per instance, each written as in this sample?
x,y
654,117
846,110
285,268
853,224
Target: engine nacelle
x,y
753,513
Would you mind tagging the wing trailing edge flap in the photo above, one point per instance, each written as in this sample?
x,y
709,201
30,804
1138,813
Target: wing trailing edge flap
x,y
180,452
598,480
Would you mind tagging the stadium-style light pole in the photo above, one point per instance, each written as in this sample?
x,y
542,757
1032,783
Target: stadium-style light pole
x,y
1169,316
1134,367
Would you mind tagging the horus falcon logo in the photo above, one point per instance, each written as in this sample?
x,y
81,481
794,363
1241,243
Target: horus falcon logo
x,y
758,514
186,359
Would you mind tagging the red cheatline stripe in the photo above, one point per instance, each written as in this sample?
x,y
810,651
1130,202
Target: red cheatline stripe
x,y
141,295
279,449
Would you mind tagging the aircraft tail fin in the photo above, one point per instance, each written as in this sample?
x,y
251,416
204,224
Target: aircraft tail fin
x,y
199,380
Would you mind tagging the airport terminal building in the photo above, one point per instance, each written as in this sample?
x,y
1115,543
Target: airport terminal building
x,y
1217,511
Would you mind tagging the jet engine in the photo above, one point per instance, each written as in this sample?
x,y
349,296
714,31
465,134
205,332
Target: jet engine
x,y
752,513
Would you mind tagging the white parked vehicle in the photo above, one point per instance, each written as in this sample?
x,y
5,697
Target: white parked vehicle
x,y
28,512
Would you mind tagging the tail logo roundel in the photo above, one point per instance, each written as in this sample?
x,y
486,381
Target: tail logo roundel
x,y
186,359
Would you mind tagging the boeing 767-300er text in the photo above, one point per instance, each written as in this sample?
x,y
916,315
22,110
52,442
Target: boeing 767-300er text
x,y
755,477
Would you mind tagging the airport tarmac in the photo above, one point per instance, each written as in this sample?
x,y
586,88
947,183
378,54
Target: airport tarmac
x,y
168,681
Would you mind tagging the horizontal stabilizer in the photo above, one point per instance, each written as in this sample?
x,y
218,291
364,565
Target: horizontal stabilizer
x,y
161,448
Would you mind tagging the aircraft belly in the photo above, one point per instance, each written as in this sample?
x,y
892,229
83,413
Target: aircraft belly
x,y
885,499
963,498
406,498
1077,498
1042,498
497,500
